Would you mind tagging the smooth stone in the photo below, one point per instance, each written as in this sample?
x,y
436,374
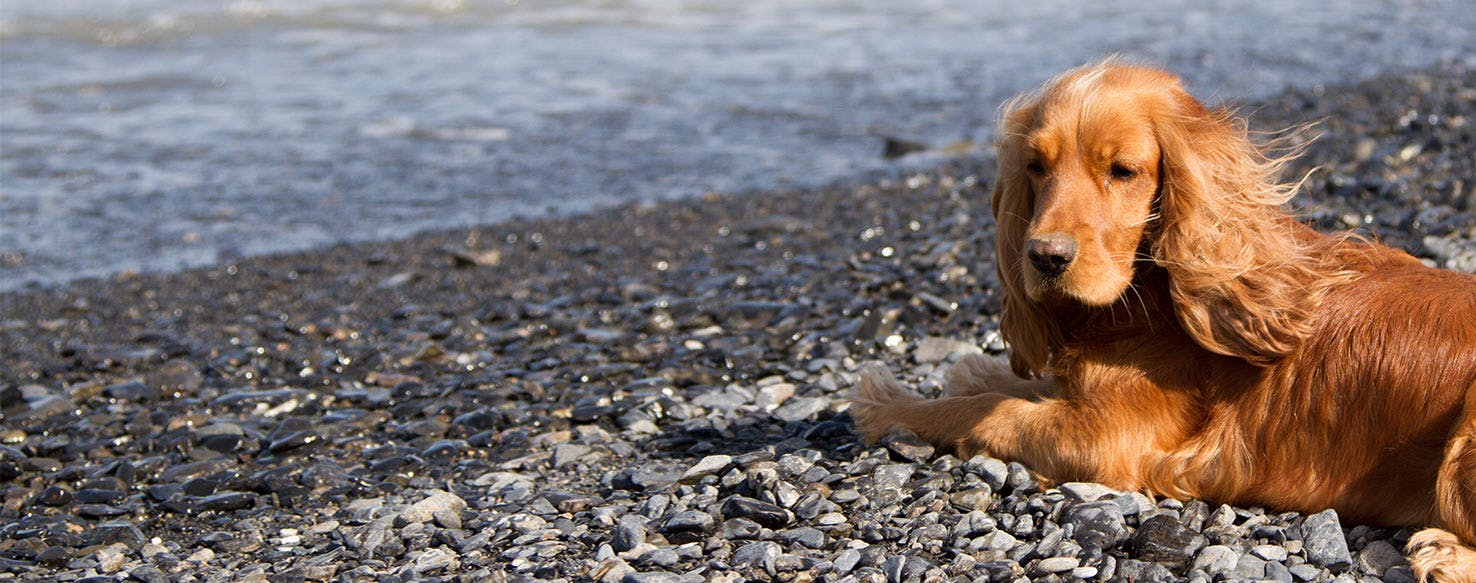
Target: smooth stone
x,y
764,513
1217,560
760,553
1086,491
707,466
994,472
435,501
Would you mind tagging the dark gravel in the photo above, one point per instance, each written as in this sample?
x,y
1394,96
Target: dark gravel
x,y
654,393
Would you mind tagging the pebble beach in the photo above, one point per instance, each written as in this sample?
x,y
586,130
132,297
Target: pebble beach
x,y
651,393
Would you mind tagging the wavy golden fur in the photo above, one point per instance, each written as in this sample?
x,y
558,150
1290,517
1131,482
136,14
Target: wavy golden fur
x,y
1173,330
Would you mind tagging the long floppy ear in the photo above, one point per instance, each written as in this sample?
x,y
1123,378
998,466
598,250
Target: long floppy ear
x,y
1244,276
1030,330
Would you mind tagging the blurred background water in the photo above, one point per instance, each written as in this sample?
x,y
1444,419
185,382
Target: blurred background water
x,y
160,134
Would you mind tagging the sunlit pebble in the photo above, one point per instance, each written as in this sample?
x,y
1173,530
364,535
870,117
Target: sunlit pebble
x,y
893,341
871,233
887,251
693,345
662,265
724,231
914,225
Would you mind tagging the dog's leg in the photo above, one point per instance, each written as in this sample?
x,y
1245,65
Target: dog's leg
x,y
977,374
1048,435
1446,555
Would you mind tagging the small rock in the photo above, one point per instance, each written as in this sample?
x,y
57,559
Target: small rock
x,y
764,513
1057,565
707,466
973,499
760,554
845,561
1304,571
1323,541
629,533
907,446
1378,557
1099,525
1086,491
1217,560
801,409
1162,539
425,510
1270,552
994,472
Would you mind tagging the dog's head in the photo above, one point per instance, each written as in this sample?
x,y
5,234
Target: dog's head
x,y
1109,168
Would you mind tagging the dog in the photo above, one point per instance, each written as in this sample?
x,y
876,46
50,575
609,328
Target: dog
x,y
1173,330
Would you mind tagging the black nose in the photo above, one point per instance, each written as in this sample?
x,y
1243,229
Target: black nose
x,y
1051,254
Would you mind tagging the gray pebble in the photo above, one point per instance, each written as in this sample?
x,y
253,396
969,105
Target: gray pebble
x,y
1216,560
1323,541
757,554
1378,557
630,532
993,471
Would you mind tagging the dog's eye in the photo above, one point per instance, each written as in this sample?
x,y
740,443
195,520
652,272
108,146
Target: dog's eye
x,y
1122,172
1035,167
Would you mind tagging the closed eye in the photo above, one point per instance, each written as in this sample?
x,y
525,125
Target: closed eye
x,y
1120,171
1035,168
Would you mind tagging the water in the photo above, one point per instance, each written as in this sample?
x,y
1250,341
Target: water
x,y
161,134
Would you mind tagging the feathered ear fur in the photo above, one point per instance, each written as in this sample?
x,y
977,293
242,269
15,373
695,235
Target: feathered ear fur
x,y
1244,276
1032,333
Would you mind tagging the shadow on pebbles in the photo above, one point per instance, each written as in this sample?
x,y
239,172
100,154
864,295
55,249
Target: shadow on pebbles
x,y
652,393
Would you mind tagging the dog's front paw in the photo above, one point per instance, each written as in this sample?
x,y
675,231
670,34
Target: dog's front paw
x,y
877,402
973,374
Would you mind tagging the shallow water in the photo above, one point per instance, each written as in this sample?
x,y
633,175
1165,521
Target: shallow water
x,y
161,134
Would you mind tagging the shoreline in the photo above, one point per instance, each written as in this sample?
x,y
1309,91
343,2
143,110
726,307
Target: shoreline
x,y
649,393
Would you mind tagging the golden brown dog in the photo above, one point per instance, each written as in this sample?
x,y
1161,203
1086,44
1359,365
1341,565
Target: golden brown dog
x,y
1173,330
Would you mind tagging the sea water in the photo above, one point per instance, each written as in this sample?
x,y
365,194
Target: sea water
x,y
162,134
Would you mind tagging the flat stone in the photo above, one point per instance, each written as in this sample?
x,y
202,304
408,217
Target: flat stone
x,y
436,501
707,466
1057,564
907,446
1086,491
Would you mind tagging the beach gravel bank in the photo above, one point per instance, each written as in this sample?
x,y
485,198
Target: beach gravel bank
x,y
653,393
